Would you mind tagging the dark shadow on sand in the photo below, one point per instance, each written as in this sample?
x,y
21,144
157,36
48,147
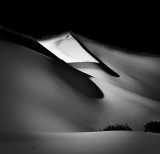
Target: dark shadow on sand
x,y
88,65
78,80
101,64
26,41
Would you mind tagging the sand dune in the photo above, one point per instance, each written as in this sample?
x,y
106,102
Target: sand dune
x,y
131,98
48,93
56,92
143,67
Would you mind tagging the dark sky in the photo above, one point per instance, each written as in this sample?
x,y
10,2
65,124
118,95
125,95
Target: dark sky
x,y
127,29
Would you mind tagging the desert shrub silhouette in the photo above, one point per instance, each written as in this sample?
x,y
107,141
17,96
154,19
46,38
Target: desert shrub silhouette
x,y
153,126
117,127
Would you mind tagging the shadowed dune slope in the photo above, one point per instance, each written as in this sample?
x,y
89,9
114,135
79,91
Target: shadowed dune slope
x,y
26,41
41,94
142,67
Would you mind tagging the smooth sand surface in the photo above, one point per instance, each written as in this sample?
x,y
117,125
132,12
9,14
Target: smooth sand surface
x,y
52,106
112,142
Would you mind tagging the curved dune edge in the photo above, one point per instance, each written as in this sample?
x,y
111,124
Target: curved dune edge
x,y
126,81
112,142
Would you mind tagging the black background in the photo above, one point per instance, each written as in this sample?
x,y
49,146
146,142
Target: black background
x,y
128,27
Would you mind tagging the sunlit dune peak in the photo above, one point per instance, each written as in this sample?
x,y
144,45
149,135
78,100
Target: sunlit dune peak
x,y
67,48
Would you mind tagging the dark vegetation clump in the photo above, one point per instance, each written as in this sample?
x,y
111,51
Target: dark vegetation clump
x,y
153,126
117,127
